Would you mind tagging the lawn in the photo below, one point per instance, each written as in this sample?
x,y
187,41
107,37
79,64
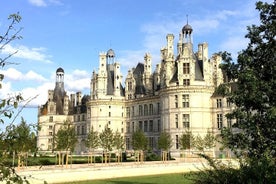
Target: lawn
x,y
153,179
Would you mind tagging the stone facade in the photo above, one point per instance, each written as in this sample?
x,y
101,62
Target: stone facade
x,y
177,96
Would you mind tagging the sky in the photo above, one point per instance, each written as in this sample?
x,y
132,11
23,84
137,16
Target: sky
x,y
71,34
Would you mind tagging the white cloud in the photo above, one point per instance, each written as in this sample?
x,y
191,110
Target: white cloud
x,y
15,75
35,54
44,3
78,80
40,3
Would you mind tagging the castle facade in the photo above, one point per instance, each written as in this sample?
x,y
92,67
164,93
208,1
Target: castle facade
x,y
177,96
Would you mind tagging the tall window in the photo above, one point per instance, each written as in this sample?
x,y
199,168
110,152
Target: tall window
x,y
176,120
140,110
146,110
158,125
186,82
186,120
140,125
145,126
133,127
186,68
128,127
128,112
150,109
132,111
229,122
127,143
176,142
219,103
51,119
185,101
129,86
151,142
219,121
176,101
83,130
151,126
158,108
228,102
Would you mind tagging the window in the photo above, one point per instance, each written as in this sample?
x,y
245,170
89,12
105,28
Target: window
x,y
186,120
50,127
219,121
83,117
51,119
151,126
219,103
176,120
176,142
158,125
185,101
186,68
176,101
228,102
50,133
150,109
127,143
83,130
129,86
145,126
140,110
109,114
229,123
78,130
132,111
133,127
140,125
145,110
127,112
158,108
128,127
186,82
151,142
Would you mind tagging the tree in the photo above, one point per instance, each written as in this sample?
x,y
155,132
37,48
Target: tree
x,y
139,140
92,141
9,104
66,139
165,141
19,140
119,142
185,140
253,136
255,98
106,141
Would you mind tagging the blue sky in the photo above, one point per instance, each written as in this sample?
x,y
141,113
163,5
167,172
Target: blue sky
x,y
70,34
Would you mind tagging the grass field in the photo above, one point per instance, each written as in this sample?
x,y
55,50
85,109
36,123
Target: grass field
x,y
178,178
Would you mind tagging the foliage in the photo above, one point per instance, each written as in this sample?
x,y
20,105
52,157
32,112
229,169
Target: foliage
x,y
253,136
92,140
201,143
185,140
9,104
165,141
255,97
19,138
107,139
139,140
119,141
66,139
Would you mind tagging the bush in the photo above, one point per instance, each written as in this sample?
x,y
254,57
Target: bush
x,y
153,157
45,161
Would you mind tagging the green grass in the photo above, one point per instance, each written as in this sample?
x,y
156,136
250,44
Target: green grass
x,y
178,178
